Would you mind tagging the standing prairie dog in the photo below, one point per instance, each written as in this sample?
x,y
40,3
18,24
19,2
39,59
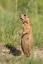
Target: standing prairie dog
x,y
27,35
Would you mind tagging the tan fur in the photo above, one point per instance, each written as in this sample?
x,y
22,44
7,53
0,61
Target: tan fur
x,y
27,36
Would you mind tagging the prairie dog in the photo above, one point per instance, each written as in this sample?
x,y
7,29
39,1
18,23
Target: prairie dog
x,y
27,35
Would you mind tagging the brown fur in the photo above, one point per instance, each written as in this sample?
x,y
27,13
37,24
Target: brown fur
x,y
27,36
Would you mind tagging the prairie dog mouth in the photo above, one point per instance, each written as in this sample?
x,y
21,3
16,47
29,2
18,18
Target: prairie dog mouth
x,y
21,18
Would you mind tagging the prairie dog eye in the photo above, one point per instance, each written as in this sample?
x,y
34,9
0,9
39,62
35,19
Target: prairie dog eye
x,y
24,14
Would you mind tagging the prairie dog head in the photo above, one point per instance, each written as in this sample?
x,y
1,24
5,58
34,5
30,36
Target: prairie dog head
x,y
24,18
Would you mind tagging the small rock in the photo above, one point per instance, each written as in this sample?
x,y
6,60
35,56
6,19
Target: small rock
x,y
2,53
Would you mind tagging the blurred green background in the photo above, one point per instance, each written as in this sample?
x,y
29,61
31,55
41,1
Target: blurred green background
x,y
10,25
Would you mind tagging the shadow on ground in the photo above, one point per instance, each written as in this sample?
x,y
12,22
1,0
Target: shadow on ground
x,y
14,51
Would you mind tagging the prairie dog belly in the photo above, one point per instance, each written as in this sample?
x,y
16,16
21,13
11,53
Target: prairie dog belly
x,y
26,44
27,40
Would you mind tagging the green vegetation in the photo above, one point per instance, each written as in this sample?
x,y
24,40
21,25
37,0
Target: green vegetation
x,y
10,26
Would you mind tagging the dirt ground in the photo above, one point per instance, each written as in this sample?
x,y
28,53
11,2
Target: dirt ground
x,y
8,52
